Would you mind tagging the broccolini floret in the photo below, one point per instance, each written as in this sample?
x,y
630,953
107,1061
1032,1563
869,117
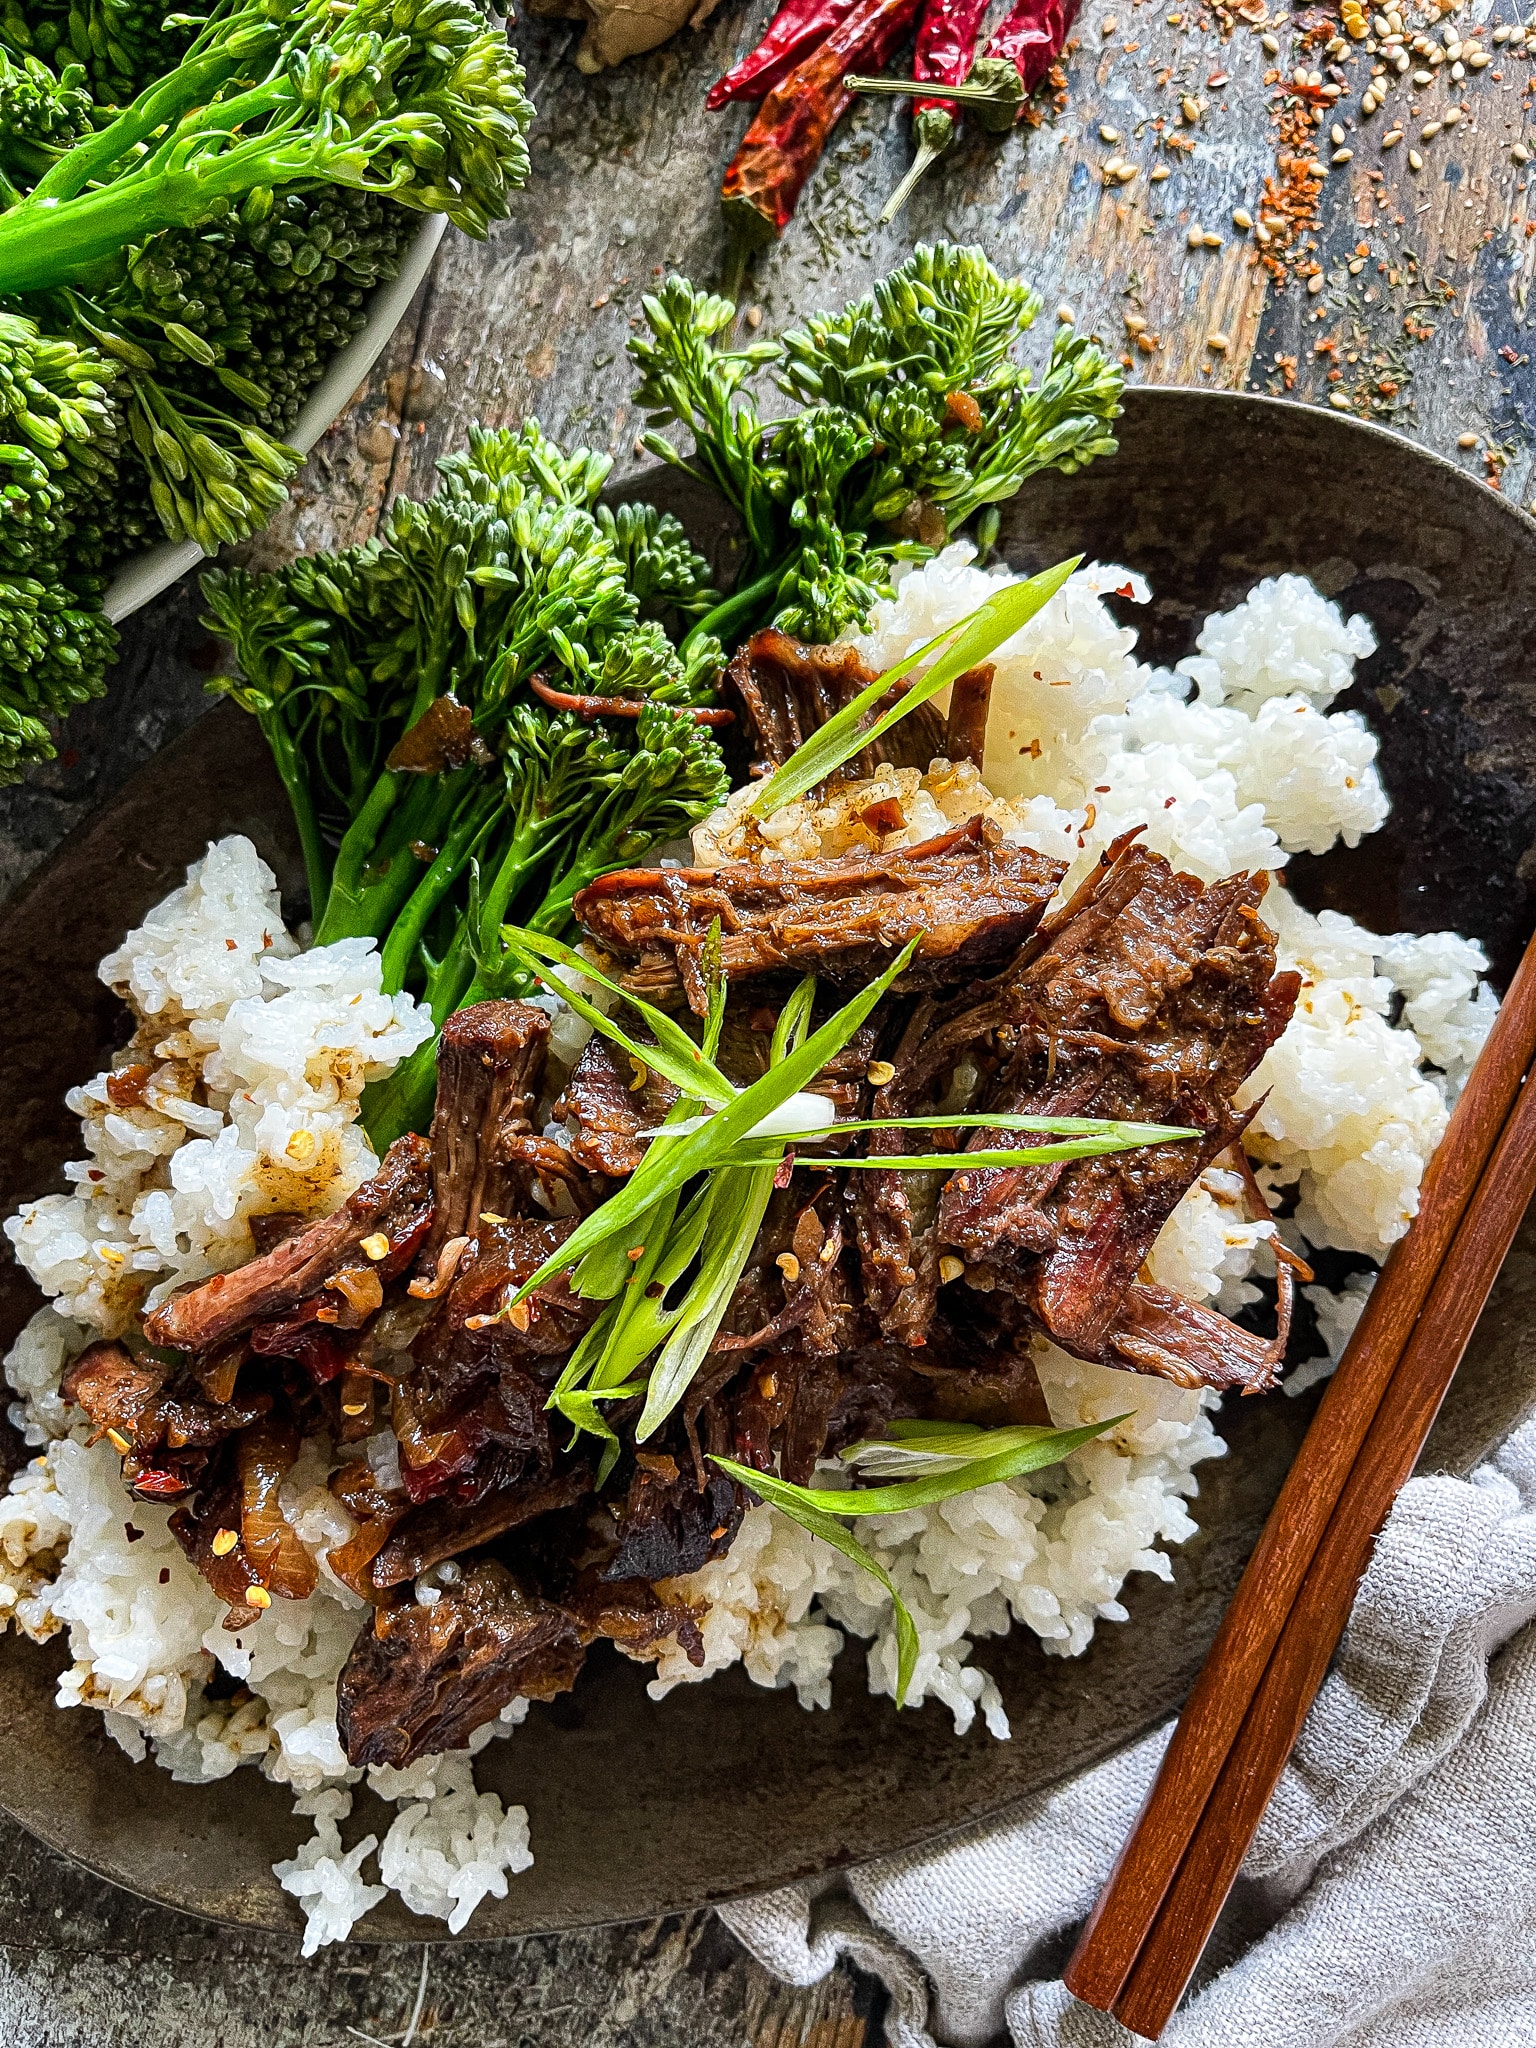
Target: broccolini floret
x,y
915,418
436,794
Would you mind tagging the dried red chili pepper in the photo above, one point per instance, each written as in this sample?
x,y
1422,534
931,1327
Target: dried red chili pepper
x,y
1030,39
790,129
794,32
943,53
1021,52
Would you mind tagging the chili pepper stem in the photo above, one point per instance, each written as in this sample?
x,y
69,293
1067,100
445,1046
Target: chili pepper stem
x,y
747,231
901,88
935,130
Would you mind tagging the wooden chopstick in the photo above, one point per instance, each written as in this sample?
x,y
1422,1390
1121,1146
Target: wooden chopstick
x,y
1316,1621
1208,1727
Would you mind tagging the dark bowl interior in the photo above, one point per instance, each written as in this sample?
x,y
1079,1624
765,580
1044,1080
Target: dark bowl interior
x,y
723,1789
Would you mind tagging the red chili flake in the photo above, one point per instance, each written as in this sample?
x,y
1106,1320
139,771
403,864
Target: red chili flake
x,y
1508,354
1125,590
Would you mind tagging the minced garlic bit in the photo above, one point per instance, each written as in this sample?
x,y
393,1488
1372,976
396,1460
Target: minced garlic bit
x,y
354,1407
119,1443
879,1072
301,1147
788,1265
375,1247
641,1074
224,1541
258,1596
950,1268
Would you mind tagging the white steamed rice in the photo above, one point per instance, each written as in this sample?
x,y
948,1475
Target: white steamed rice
x,y
260,1052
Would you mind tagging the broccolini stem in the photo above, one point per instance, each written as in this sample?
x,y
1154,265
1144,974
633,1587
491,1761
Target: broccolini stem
x,y
744,603
376,871
192,84
464,839
295,776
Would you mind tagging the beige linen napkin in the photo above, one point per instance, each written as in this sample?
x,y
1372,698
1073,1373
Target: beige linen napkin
x,y
1389,1900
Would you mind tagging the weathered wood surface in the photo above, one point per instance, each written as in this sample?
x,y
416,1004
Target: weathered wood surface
x,y
626,170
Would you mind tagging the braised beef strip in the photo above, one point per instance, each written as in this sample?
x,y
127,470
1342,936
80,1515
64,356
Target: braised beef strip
x,y
788,689
972,897
422,1678
396,1205
1153,997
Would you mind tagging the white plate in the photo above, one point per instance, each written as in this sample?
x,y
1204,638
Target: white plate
x,y
146,575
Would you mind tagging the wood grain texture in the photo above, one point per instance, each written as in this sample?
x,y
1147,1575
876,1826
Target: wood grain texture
x,y
626,169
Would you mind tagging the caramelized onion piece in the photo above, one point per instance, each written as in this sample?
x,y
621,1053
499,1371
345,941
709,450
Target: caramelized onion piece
x,y
263,1455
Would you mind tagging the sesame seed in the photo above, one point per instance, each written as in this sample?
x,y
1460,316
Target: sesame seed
x,y
1356,265
1520,153
1341,156
1271,44
1242,218
1451,116
1196,238
224,1541
1124,173
1218,343
1369,103
1336,134
1423,78
1157,174
1477,62
1211,241
1392,137
1466,440
1458,71
1429,131
1190,108
1337,399
950,1268
788,1265
1108,134
1415,161
1065,316
375,1247
879,1072
1262,235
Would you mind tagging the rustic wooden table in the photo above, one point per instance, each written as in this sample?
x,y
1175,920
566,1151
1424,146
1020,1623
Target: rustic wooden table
x,y
1393,285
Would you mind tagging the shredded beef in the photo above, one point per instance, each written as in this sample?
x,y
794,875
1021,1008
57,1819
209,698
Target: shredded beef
x,y
490,1060
444,1528
669,1524
422,1679
968,896
609,1105
395,1204
789,689
1150,997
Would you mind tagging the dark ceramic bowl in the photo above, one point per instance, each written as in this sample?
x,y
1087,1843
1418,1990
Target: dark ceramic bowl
x,y
723,1789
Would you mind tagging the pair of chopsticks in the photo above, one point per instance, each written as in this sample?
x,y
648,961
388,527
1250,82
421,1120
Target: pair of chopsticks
x,y
1146,1934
